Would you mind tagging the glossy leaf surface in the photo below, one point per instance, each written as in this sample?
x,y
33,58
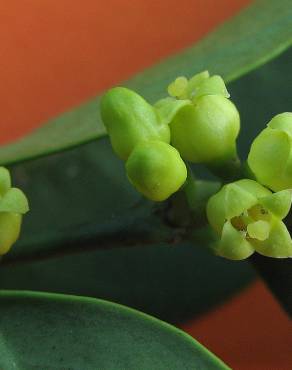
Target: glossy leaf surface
x,y
85,333
170,282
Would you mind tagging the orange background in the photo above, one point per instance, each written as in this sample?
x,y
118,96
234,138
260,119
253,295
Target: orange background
x,y
56,53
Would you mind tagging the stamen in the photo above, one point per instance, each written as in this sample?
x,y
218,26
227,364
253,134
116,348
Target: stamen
x,y
238,223
257,213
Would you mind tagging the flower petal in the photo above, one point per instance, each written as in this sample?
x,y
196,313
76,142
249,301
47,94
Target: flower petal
x,y
233,245
278,244
5,180
211,86
10,224
237,200
178,87
278,203
167,108
259,230
14,201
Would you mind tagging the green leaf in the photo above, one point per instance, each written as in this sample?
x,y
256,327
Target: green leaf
x,y
85,333
170,282
256,35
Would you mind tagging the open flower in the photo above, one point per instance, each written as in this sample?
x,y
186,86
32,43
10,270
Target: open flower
x,y
248,217
270,156
13,204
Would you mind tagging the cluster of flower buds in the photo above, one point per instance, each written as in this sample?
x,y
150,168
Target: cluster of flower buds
x,y
140,135
198,123
13,204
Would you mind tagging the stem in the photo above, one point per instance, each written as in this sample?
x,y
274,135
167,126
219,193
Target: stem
x,y
104,242
228,169
198,193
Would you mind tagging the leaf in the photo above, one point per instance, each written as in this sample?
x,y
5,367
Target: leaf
x,y
256,35
84,333
173,283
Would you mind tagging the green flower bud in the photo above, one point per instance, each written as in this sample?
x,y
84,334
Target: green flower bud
x,y
248,217
13,204
205,129
130,120
270,156
156,170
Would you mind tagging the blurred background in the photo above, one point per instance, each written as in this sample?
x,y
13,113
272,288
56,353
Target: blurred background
x,y
56,54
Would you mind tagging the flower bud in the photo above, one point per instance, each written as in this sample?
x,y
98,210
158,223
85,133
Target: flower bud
x,y
270,156
13,203
248,217
156,170
10,224
129,120
204,131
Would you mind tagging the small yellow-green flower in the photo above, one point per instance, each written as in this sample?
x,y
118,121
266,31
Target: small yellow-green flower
x,y
248,217
270,156
13,204
205,130
156,170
